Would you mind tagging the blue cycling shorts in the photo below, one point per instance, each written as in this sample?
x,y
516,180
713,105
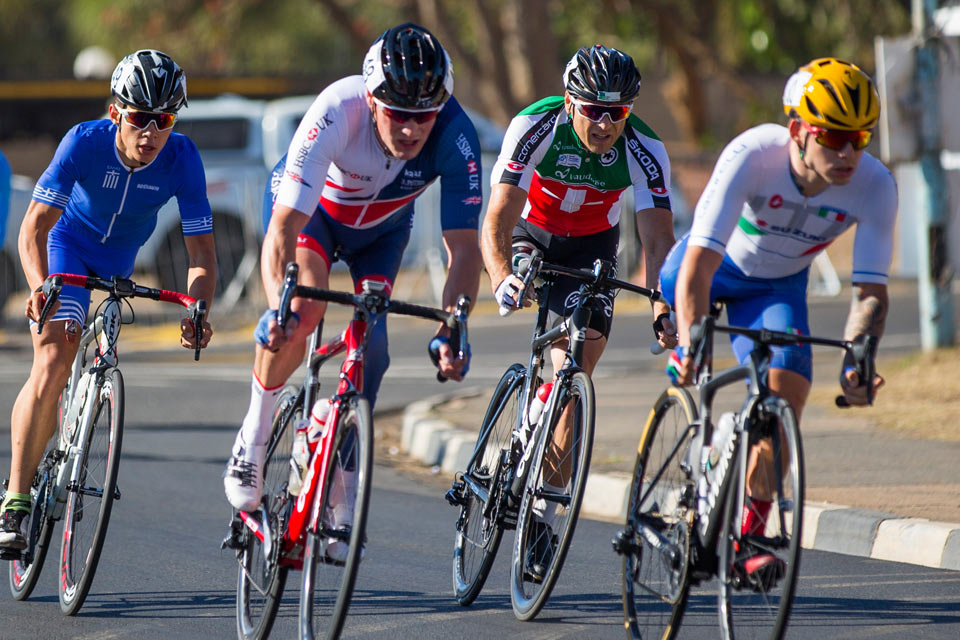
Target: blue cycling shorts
x,y
778,304
69,251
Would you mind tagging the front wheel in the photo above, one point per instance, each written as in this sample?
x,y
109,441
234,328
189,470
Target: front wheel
x,y
91,493
656,542
760,549
552,495
335,541
480,525
260,578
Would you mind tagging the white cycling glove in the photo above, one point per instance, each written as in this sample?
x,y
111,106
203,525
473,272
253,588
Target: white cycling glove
x,y
508,295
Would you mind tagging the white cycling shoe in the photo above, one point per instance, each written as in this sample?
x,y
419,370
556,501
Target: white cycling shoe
x,y
243,478
343,496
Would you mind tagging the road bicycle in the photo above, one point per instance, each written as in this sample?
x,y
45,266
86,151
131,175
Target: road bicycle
x,y
296,531
689,495
506,481
77,478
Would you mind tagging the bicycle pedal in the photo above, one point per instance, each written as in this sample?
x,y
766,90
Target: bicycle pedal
x,y
11,554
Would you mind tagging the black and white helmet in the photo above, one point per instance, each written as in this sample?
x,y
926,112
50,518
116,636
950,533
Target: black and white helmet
x,y
406,67
599,74
150,80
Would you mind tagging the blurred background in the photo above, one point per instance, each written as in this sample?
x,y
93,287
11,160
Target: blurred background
x,y
711,68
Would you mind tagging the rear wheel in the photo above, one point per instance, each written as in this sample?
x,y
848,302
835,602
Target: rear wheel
x,y
551,498
335,542
25,571
90,499
260,578
759,568
480,525
656,542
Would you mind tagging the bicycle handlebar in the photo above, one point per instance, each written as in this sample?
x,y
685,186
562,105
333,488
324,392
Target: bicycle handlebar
x,y
456,320
598,276
861,350
123,288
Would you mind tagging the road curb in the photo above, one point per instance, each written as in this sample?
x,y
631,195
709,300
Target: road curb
x,y
438,443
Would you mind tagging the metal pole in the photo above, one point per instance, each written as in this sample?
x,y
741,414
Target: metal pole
x,y
935,273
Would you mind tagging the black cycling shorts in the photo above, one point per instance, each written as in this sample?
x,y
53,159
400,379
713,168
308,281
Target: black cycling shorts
x,y
575,252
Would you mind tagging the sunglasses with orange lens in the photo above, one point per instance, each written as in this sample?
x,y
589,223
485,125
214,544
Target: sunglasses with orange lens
x,y
400,116
142,119
836,140
595,112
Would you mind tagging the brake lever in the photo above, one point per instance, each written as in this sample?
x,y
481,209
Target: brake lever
x,y
863,351
199,315
51,293
286,294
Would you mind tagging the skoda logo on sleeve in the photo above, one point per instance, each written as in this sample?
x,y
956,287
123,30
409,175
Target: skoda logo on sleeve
x,y
609,157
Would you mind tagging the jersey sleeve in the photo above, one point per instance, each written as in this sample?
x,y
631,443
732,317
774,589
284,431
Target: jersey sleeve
x,y
718,210
319,139
873,240
458,163
195,215
652,191
56,184
523,148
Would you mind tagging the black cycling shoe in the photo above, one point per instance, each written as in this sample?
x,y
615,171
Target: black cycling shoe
x,y
540,552
13,529
759,571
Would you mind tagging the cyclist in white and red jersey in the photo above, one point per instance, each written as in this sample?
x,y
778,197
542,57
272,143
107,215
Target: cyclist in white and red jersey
x,y
366,148
558,187
777,197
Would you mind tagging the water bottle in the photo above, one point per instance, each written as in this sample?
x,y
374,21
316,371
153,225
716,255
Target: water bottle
x,y
722,436
536,405
306,436
715,460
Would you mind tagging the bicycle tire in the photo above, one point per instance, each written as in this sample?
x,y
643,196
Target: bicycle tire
x,y
24,575
261,579
99,458
759,607
527,595
478,535
656,581
327,587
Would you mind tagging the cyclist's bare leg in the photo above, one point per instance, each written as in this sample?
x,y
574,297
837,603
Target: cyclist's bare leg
x,y
34,418
794,388
557,463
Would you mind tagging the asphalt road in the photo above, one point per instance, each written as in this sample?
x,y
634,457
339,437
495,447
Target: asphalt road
x,y
162,574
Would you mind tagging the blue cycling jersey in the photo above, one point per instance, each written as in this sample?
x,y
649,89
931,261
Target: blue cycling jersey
x,y
105,201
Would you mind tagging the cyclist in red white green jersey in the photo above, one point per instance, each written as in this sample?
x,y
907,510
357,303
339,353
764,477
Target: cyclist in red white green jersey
x,y
558,187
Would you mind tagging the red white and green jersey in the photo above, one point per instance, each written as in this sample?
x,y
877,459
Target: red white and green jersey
x,y
752,210
571,191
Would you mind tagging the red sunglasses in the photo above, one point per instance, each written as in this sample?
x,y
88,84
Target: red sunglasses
x,y
400,116
142,119
836,140
595,112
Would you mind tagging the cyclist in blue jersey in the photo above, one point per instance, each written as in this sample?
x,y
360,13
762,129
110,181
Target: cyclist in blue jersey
x,y
92,209
366,148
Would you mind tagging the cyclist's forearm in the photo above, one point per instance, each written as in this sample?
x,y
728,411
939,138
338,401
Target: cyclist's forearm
x,y
868,311
463,267
202,272
693,288
496,234
32,241
279,248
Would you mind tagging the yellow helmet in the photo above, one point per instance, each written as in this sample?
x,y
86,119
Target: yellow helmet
x,y
832,94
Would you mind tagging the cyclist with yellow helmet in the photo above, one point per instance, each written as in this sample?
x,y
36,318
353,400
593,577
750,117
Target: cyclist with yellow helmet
x,y
777,197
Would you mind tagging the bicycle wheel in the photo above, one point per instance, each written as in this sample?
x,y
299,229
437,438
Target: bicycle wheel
x,y
90,501
546,542
25,571
480,525
656,542
335,546
260,578
758,570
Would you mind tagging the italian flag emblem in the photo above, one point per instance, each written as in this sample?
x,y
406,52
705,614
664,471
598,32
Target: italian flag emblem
x,y
833,215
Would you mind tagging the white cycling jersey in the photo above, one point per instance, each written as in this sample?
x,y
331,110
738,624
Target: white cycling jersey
x,y
752,210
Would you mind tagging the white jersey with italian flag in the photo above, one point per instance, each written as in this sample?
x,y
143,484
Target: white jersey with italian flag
x,y
753,210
